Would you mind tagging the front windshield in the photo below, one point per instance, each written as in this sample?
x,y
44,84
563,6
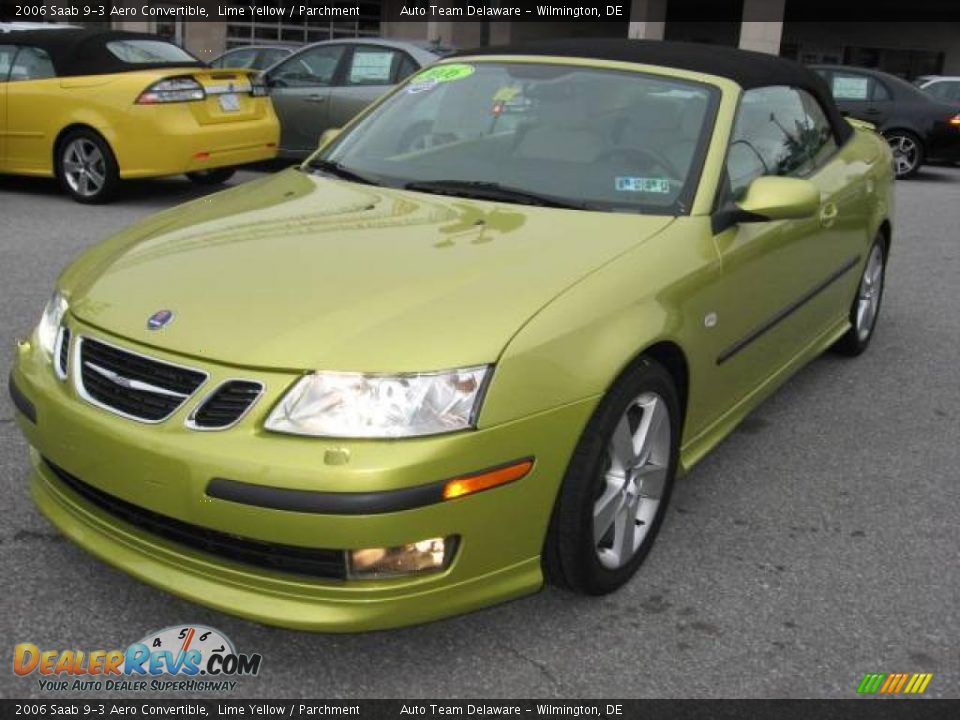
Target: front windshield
x,y
583,137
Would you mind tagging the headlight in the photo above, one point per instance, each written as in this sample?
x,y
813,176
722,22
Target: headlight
x,y
50,322
354,405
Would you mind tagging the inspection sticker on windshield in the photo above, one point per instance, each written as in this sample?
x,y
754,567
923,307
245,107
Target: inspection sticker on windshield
x,y
642,184
431,77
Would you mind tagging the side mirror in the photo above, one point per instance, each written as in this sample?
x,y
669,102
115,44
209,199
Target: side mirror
x,y
770,198
328,137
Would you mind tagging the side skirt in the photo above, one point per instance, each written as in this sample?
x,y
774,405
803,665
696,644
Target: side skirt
x,y
697,448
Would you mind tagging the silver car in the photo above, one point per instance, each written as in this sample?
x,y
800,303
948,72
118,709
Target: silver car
x,y
942,87
325,84
258,57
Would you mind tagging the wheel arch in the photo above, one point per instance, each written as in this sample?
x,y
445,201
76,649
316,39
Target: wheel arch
x,y
672,357
72,127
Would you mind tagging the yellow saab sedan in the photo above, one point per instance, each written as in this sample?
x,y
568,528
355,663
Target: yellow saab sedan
x,y
93,107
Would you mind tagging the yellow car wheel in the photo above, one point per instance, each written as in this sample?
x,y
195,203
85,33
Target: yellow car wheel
x,y
86,167
866,305
617,487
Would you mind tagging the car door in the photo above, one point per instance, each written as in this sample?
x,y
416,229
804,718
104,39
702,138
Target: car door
x,y
32,91
777,289
6,61
371,71
300,89
861,96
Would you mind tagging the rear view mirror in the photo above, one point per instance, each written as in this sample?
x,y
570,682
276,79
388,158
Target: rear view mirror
x,y
769,198
779,198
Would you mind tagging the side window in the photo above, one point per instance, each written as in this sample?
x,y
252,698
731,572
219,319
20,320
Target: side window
x,y
880,91
371,66
948,90
270,56
311,68
851,86
239,59
778,131
939,90
6,60
406,68
31,64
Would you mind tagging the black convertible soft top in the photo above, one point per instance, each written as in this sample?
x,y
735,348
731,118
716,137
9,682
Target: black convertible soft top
x,y
746,68
84,52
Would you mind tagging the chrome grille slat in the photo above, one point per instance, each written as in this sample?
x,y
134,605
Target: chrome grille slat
x,y
130,384
226,405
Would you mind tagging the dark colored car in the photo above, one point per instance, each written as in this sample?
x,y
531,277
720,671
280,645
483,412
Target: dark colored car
x,y
918,127
256,57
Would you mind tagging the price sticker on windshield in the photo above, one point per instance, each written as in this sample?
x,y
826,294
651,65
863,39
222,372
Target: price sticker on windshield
x,y
431,77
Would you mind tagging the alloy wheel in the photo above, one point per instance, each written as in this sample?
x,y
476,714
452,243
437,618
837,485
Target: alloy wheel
x,y
868,296
84,167
906,154
635,475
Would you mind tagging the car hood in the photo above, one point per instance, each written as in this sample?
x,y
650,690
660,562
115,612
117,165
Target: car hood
x,y
299,271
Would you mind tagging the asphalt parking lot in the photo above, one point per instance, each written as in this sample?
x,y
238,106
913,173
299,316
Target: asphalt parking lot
x,y
818,543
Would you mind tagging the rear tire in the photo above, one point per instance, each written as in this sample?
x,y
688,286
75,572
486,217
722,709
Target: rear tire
x,y
215,176
866,304
86,167
610,507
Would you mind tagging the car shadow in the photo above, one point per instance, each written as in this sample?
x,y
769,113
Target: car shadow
x,y
939,172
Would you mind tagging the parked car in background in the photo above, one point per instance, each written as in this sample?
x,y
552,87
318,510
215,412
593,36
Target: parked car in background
x,y
918,126
942,87
324,85
255,57
93,107
6,27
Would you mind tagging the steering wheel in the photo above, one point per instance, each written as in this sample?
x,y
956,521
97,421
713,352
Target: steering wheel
x,y
641,158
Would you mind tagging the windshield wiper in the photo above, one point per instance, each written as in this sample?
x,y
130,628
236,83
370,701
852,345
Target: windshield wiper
x,y
334,168
481,190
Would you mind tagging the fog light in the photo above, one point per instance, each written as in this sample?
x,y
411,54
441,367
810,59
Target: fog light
x,y
424,556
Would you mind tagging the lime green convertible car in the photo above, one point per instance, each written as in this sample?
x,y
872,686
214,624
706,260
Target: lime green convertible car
x,y
468,345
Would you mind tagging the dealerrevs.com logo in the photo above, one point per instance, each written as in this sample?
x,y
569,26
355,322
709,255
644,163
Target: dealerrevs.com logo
x,y
179,658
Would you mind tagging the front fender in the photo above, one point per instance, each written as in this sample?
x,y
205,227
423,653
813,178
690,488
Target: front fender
x,y
577,345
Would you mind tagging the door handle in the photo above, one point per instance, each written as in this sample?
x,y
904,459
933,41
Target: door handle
x,y
316,98
828,214
871,111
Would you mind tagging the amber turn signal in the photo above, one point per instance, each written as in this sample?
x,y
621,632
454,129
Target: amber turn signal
x,y
469,484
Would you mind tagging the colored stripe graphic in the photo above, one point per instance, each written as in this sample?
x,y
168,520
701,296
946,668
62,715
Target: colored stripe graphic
x,y
894,683
871,683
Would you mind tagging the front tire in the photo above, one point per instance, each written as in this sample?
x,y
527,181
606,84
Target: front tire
x,y
866,305
908,153
215,176
615,493
86,167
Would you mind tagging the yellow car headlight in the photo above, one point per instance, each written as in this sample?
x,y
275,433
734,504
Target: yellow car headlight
x,y
50,321
357,405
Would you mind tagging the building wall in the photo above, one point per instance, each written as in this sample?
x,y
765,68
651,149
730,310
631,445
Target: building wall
x,y
833,37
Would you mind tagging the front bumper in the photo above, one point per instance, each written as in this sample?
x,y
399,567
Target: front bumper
x,y
167,469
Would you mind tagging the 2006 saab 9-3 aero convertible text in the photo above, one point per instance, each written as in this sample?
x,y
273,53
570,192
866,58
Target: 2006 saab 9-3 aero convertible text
x,y
468,345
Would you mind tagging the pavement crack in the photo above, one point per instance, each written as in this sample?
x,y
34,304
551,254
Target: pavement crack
x,y
541,667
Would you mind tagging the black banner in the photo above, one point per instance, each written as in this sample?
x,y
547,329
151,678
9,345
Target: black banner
x,y
485,709
476,11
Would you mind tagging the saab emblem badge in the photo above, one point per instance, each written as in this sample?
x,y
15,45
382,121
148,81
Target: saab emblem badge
x,y
159,319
